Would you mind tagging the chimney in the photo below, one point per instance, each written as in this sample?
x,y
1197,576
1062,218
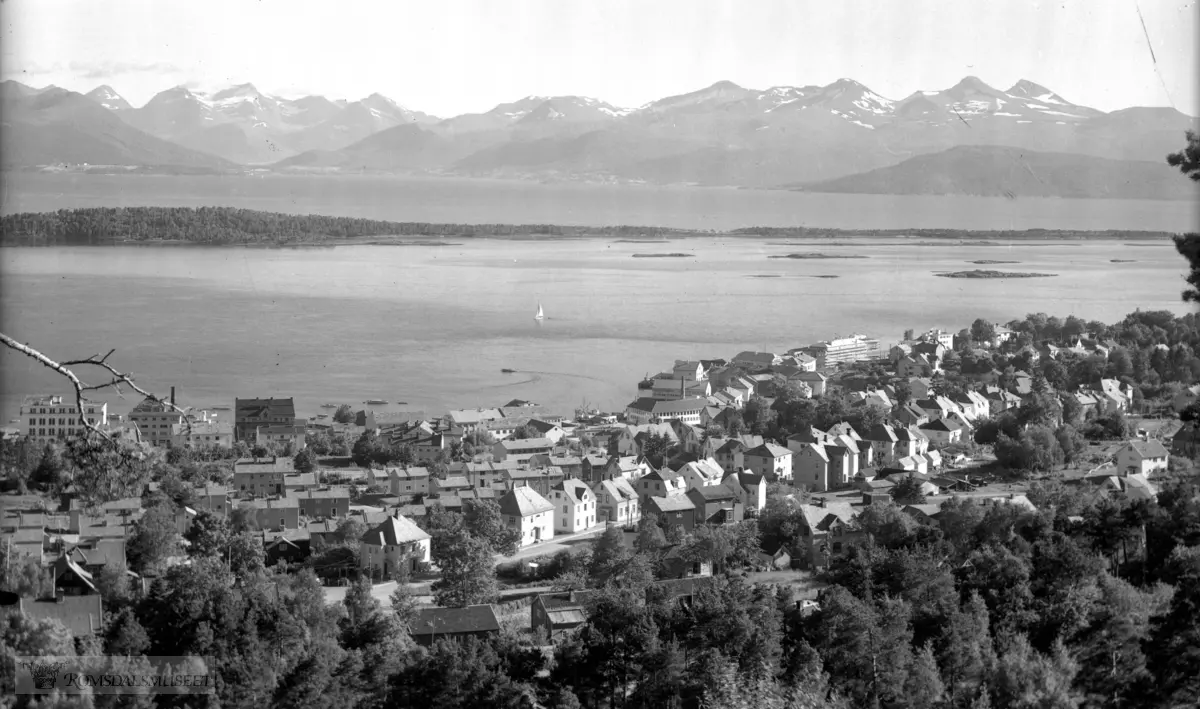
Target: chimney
x,y
172,396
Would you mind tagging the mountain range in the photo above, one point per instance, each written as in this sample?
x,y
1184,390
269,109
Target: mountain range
x,y
800,137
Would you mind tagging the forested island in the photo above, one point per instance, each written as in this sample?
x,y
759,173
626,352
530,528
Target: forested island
x,y
980,273
227,225
815,255
990,261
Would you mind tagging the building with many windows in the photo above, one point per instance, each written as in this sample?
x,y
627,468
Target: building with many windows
x,y
844,349
51,416
155,420
250,414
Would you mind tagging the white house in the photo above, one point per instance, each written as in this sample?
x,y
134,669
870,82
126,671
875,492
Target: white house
x,y
1144,457
395,542
617,502
660,483
750,488
702,473
943,431
529,513
574,506
769,460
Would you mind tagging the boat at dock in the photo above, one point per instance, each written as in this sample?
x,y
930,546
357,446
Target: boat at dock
x,y
375,402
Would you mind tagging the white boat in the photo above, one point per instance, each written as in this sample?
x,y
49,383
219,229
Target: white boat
x,y
540,315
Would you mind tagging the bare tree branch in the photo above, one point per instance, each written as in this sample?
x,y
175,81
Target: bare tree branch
x,y
96,360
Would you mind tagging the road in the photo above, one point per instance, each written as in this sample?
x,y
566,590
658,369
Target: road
x,y
383,591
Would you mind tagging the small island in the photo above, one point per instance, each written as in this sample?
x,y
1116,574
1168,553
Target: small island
x,y
815,255
1121,260
988,261
776,275
977,273
676,255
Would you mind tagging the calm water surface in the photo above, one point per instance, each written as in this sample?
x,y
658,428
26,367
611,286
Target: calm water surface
x,y
434,326
458,201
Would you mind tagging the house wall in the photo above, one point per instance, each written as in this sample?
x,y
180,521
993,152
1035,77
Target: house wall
x,y
387,559
810,469
324,506
534,528
1128,458
571,517
409,486
270,483
773,468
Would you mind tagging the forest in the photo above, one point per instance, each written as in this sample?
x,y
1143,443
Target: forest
x,y
228,225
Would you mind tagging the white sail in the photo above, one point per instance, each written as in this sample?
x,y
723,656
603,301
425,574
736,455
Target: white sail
x,y
540,315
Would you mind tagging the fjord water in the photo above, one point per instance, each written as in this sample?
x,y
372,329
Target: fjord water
x,y
433,326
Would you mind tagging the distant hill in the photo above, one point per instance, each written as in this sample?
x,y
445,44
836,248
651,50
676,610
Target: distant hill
x,y
993,171
55,126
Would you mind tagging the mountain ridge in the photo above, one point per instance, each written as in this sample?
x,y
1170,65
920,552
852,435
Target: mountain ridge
x,y
721,134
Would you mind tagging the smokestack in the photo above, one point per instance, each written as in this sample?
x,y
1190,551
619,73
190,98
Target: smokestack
x,y
172,396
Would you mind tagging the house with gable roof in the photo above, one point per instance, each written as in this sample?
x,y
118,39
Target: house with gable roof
x,y
662,482
455,624
408,481
811,466
556,614
943,431
617,502
702,473
910,441
772,461
757,360
716,504
1113,396
883,441
750,488
672,510
574,506
1143,457
529,513
394,543
829,528
250,414
520,450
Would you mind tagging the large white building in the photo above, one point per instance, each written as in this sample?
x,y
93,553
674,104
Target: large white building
x,y
51,416
529,513
202,433
156,420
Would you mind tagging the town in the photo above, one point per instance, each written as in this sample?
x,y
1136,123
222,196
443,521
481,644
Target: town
x,y
769,465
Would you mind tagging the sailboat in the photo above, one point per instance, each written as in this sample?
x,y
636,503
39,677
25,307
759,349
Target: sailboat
x,y
540,315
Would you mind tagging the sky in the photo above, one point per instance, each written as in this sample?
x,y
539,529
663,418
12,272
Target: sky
x,y
448,57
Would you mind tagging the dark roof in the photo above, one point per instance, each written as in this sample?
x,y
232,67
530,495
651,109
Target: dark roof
x,y
942,424
82,615
1148,449
448,621
712,492
264,408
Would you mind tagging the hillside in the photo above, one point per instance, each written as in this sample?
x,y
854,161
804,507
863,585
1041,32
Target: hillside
x,y
992,171
57,126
